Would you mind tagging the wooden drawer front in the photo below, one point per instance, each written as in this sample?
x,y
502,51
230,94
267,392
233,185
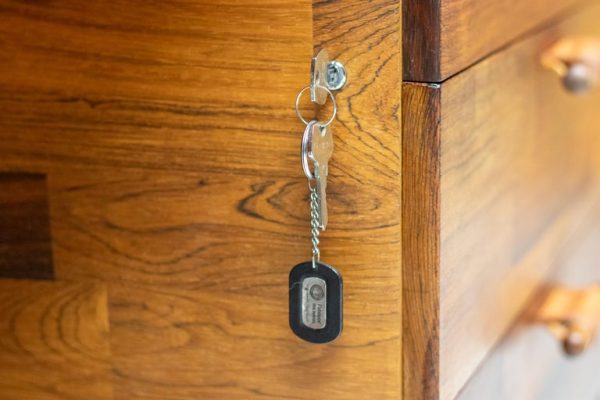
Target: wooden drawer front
x,y
494,160
443,37
529,363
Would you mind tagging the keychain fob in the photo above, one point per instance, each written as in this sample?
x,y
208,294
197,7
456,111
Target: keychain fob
x,y
316,302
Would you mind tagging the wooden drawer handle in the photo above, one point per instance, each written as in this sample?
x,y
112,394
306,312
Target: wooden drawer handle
x,y
576,61
572,316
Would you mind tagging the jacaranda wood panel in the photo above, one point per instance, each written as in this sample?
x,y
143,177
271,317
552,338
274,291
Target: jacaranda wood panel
x,y
168,136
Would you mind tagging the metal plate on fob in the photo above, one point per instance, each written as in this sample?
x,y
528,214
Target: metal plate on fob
x,y
314,302
316,308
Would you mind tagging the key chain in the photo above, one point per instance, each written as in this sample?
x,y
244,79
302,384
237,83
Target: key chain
x,y
316,288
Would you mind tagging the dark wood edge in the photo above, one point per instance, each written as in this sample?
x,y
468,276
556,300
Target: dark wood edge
x,y
421,239
25,234
421,40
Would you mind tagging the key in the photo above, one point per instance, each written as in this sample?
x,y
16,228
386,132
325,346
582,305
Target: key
x,y
306,140
320,151
316,309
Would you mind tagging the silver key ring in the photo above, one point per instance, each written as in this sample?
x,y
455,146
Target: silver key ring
x,y
322,124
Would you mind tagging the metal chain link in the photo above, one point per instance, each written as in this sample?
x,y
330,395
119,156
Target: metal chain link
x,y
315,229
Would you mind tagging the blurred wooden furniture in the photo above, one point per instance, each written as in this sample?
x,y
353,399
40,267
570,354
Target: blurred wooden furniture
x,y
500,182
444,37
153,201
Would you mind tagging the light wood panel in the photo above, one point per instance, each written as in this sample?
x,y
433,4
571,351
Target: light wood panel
x,y
54,341
529,362
444,37
492,158
169,138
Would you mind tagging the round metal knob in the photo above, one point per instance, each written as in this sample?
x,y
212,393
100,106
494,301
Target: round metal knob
x,y
577,339
576,61
571,315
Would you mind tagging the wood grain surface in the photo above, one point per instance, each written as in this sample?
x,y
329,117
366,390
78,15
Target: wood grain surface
x,y
515,152
168,135
54,341
444,37
421,176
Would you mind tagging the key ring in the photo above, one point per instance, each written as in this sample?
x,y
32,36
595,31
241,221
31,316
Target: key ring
x,y
330,120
